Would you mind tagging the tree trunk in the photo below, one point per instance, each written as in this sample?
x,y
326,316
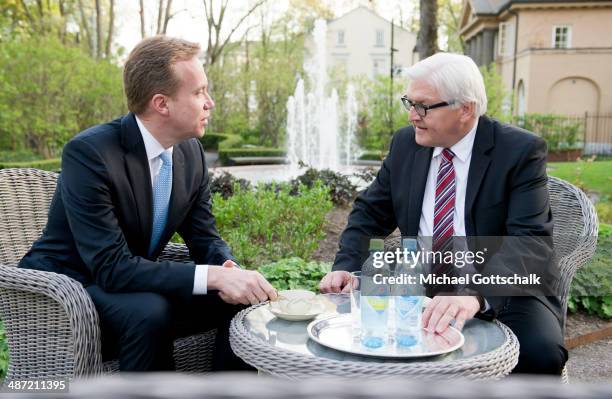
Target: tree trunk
x,y
87,31
427,39
168,15
142,20
98,29
160,12
111,23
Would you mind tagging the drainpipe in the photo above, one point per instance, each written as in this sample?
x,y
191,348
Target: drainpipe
x,y
515,52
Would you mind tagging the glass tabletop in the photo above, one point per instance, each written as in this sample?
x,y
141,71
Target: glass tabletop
x,y
480,336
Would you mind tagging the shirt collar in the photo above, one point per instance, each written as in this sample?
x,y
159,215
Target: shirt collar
x,y
463,148
152,146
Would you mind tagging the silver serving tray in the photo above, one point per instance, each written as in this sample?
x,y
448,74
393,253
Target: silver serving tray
x,y
336,332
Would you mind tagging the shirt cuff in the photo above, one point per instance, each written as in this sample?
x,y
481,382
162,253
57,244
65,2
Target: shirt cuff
x,y
200,280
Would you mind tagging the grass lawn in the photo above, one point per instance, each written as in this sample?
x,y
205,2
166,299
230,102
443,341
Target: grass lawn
x,y
592,176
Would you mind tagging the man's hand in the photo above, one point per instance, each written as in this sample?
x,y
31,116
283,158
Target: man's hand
x,y
238,286
335,282
443,309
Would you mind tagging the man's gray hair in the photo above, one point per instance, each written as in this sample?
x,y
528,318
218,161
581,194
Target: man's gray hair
x,y
455,77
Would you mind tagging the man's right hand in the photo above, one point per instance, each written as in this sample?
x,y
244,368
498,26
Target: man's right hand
x,y
335,282
238,286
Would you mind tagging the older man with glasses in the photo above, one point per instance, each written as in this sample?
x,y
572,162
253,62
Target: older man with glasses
x,y
456,172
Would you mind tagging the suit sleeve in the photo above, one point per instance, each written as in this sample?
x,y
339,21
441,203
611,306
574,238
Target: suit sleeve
x,y
87,198
529,225
199,230
372,216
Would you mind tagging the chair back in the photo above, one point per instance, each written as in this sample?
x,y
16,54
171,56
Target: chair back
x,y
25,196
575,230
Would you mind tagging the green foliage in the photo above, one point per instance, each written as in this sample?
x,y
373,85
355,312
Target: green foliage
x,y
373,155
224,184
269,224
225,155
559,132
591,290
341,189
295,273
21,155
383,107
498,97
4,352
50,91
604,213
53,164
211,141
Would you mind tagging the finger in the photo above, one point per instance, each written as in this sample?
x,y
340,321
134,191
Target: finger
x,y
251,299
336,285
324,285
260,294
460,320
429,310
436,314
227,298
448,316
229,263
269,291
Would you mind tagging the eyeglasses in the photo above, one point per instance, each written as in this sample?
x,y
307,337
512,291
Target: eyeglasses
x,y
421,109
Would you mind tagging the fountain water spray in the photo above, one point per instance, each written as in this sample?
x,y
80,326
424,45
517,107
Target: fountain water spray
x,y
320,133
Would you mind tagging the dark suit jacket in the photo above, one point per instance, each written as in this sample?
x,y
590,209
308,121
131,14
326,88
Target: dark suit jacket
x,y
100,218
506,193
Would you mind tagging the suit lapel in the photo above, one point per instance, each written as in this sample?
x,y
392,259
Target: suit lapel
x,y
418,180
479,164
137,166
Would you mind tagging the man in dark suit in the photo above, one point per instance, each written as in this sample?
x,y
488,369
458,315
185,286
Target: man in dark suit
x,y
456,172
125,187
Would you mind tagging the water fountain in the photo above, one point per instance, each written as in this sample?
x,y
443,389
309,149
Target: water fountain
x,y
320,132
320,129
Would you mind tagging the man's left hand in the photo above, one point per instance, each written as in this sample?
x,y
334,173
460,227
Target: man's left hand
x,y
444,309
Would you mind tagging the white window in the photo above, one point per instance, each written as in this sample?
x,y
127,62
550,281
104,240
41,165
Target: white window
x,y
562,36
502,37
380,37
340,38
505,39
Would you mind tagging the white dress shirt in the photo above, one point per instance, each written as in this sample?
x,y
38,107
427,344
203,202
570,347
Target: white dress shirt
x,y
154,150
461,162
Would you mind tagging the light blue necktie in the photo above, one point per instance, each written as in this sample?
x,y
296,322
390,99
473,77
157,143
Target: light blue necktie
x,y
161,199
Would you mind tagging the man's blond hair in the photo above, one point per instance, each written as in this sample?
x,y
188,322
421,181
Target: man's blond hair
x,y
149,69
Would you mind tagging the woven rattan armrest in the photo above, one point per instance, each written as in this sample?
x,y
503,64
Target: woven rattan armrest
x,y
51,324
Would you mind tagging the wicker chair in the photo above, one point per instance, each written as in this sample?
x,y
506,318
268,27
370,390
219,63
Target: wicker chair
x,y
51,323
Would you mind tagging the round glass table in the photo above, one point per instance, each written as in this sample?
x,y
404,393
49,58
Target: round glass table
x,y
283,348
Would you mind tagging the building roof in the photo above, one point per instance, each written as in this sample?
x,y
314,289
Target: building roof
x,y
494,7
369,10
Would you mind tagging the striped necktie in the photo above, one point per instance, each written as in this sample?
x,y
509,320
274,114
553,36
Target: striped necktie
x,y
444,207
161,199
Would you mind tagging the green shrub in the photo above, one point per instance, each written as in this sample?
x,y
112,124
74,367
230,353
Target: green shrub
x,y
559,132
225,154
372,155
224,184
295,273
53,164
591,290
232,141
4,352
604,212
50,91
210,141
266,225
341,189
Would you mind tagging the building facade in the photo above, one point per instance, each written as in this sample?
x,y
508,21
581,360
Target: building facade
x,y
359,43
554,56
